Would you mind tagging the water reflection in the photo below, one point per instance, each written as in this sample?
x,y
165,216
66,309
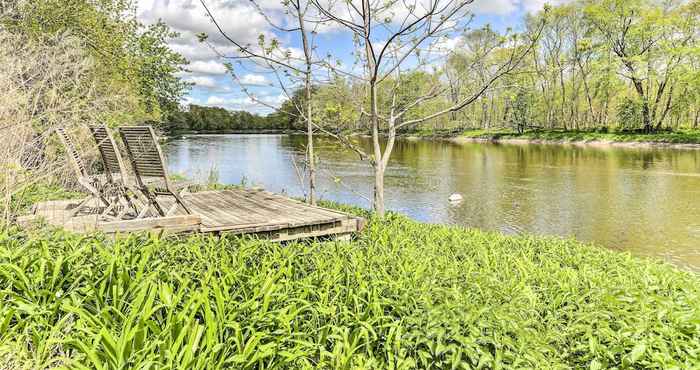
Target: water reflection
x,y
643,200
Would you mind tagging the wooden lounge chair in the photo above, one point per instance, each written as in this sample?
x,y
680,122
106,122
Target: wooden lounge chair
x,y
92,184
149,164
115,173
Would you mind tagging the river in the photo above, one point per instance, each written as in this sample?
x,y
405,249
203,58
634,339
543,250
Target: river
x,y
642,200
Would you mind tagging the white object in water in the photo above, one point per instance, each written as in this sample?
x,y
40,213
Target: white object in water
x,y
455,197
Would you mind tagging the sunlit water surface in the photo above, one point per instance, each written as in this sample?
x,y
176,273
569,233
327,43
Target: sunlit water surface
x,y
646,201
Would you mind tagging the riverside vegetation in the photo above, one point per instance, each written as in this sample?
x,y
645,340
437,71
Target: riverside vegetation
x,y
400,295
668,137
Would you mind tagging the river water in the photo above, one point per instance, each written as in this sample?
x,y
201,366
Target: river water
x,y
646,201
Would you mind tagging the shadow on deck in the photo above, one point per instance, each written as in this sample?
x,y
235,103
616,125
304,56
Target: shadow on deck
x,y
235,211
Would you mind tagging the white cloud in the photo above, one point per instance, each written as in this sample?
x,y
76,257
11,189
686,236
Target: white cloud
x,y
202,81
399,12
216,101
207,67
187,100
534,6
252,79
238,19
496,7
258,103
242,22
448,43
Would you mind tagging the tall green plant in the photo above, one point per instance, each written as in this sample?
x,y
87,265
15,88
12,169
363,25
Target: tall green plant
x,y
402,295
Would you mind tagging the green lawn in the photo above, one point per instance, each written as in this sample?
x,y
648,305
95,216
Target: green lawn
x,y
401,295
675,137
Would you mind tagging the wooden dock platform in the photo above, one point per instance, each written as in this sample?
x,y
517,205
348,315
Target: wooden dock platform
x,y
233,211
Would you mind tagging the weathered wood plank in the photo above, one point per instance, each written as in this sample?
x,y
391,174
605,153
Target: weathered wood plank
x,y
302,214
324,211
153,223
305,212
200,208
240,210
252,209
233,211
225,213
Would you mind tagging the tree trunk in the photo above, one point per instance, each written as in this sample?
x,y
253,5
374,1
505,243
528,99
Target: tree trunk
x,y
377,161
379,189
377,149
310,146
310,156
646,116
646,119
563,94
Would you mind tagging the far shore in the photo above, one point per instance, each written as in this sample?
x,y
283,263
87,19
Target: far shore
x,y
668,140
687,139
591,143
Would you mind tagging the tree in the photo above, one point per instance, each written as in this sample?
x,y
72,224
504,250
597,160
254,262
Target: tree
x,y
410,34
212,119
286,68
520,111
651,43
131,57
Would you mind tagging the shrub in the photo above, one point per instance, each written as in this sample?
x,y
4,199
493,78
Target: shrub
x,y
629,114
42,86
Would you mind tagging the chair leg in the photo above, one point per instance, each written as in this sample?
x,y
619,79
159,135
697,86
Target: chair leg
x,y
178,200
81,205
130,203
107,210
151,202
172,209
127,206
143,212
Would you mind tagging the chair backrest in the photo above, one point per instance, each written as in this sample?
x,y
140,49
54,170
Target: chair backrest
x,y
73,155
145,153
109,152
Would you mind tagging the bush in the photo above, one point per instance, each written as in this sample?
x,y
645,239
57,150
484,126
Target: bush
x,y
44,85
629,114
402,295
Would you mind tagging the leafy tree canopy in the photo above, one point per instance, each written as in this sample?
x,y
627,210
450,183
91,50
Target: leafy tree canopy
x,y
129,56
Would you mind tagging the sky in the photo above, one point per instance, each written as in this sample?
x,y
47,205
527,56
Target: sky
x,y
213,85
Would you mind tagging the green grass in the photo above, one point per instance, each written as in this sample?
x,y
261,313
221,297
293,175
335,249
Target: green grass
x,y
23,201
673,137
401,295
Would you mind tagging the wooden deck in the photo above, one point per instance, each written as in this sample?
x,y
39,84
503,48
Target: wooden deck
x,y
239,211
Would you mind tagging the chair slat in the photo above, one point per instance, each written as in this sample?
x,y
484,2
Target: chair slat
x,y
148,161
111,159
75,159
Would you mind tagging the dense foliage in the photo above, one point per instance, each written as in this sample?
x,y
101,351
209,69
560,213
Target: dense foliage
x,y
215,119
629,65
128,58
70,64
402,295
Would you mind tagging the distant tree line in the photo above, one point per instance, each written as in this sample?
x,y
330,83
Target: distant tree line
x,y
215,119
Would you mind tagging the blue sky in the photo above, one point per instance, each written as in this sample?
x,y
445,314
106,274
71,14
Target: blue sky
x,y
214,86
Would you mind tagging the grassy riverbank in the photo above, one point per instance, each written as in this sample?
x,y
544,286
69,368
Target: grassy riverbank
x,y
664,137
402,294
